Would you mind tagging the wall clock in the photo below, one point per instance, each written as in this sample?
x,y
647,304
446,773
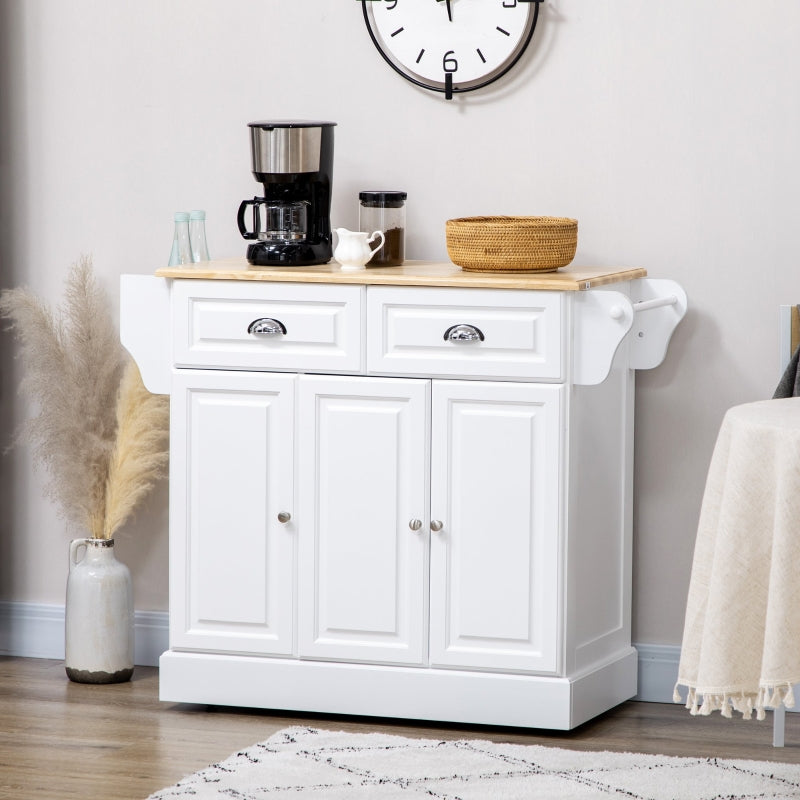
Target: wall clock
x,y
451,46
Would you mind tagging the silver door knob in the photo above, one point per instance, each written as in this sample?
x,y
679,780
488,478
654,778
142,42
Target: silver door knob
x,y
463,333
436,525
266,326
415,524
284,516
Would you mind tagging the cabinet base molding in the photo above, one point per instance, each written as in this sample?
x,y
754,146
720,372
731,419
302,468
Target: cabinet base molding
x,y
484,698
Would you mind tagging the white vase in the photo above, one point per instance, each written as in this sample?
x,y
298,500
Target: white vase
x,y
99,614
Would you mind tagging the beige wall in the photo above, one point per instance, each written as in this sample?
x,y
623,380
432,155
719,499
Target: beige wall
x,y
669,130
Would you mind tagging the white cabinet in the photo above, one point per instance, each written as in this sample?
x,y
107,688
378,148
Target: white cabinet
x,y
399,500
231,476
366,451
369,516
496,491
363,475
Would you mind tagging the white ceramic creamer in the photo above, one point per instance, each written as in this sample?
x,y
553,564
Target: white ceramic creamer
x,y
353,249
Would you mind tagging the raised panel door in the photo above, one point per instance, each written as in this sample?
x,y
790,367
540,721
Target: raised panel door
x,y
363,470
232,560
496,490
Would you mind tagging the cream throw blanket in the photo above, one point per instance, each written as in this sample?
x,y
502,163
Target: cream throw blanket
x,y
741,641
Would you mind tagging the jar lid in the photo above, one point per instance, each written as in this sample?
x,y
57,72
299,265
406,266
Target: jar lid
x,y
197,214
181,216
374,199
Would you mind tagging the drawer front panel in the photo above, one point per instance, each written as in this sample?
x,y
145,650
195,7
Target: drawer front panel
x,y
516,334
322,326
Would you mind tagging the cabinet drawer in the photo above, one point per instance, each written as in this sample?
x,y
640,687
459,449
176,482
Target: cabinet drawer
x,y
516,334
322,326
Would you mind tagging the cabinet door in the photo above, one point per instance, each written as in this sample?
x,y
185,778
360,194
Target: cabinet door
x,y
363,470
231,559
496,489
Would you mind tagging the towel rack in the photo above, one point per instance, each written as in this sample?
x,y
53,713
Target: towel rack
x,y
617,312
603,318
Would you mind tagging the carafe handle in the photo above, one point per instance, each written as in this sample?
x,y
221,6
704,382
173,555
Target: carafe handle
x,y
255,202
372,238
73,552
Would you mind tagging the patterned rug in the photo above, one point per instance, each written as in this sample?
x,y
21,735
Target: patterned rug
x,y
323,765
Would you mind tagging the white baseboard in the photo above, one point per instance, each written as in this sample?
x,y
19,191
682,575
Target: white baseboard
x,y
34,630
658,671
31,630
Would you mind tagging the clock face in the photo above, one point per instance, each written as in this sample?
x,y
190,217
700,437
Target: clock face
x,y
451,45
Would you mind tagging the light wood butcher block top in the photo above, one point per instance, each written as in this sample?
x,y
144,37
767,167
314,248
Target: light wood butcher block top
x,y
412,273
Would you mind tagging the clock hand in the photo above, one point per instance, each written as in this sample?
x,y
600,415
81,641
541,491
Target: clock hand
x,y
449,9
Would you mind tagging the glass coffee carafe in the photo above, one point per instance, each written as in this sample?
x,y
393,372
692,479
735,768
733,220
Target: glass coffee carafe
x,y
280,222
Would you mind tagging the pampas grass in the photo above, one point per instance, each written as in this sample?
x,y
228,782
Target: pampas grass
x,y
90,406
140,453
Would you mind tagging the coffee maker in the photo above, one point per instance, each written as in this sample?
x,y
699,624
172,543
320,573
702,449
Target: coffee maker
x,y
293,159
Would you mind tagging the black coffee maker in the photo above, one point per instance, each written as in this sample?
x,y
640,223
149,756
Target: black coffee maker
x,y
291,222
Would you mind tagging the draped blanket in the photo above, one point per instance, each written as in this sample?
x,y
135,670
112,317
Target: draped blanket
x,y
741,641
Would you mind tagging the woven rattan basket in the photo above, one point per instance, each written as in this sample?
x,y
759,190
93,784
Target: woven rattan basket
x,y
511,244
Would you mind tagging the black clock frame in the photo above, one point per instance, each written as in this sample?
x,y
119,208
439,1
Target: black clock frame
x,y
448,88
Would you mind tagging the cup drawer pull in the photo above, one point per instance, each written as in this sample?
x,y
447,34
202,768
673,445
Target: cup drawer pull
x,y
266,326
463,333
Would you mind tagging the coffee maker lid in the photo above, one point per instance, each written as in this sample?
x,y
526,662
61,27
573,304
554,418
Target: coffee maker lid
x,y
290,123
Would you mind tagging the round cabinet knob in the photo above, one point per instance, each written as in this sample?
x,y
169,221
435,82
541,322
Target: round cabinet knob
x,y
415,524
463,333
284,516
436,525
266,326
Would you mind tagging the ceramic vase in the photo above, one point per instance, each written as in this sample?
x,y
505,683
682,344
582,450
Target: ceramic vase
x,y
99,614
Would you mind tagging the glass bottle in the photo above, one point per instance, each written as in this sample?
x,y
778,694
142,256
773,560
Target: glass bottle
x,y
197,236
385,211
181,248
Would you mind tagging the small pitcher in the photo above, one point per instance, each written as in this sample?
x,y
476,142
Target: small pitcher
x,y
353,251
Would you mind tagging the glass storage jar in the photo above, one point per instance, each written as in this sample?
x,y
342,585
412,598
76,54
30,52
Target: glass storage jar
x,y
385,211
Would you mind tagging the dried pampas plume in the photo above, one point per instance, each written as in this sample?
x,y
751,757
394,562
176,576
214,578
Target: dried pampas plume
x,y
140,453
100,436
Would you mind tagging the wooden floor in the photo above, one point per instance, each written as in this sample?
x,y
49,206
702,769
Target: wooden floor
x,y
61,740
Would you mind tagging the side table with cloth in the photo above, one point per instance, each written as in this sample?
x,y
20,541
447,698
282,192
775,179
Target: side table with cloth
x,y
741,640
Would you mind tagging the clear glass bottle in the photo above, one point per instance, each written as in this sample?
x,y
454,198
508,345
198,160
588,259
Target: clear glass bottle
x,y
181,248
197,236
385,211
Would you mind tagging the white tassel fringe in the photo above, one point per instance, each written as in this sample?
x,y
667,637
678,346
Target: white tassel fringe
x,y
704,703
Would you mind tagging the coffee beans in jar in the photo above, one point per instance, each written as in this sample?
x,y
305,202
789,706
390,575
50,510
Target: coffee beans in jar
x,y
385,211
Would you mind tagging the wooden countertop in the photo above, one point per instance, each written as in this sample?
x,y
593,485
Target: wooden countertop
x,y
412,273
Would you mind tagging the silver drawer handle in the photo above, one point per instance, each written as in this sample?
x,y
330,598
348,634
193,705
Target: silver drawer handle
x,y
415,524
266,326
463,333
436,525
284,516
